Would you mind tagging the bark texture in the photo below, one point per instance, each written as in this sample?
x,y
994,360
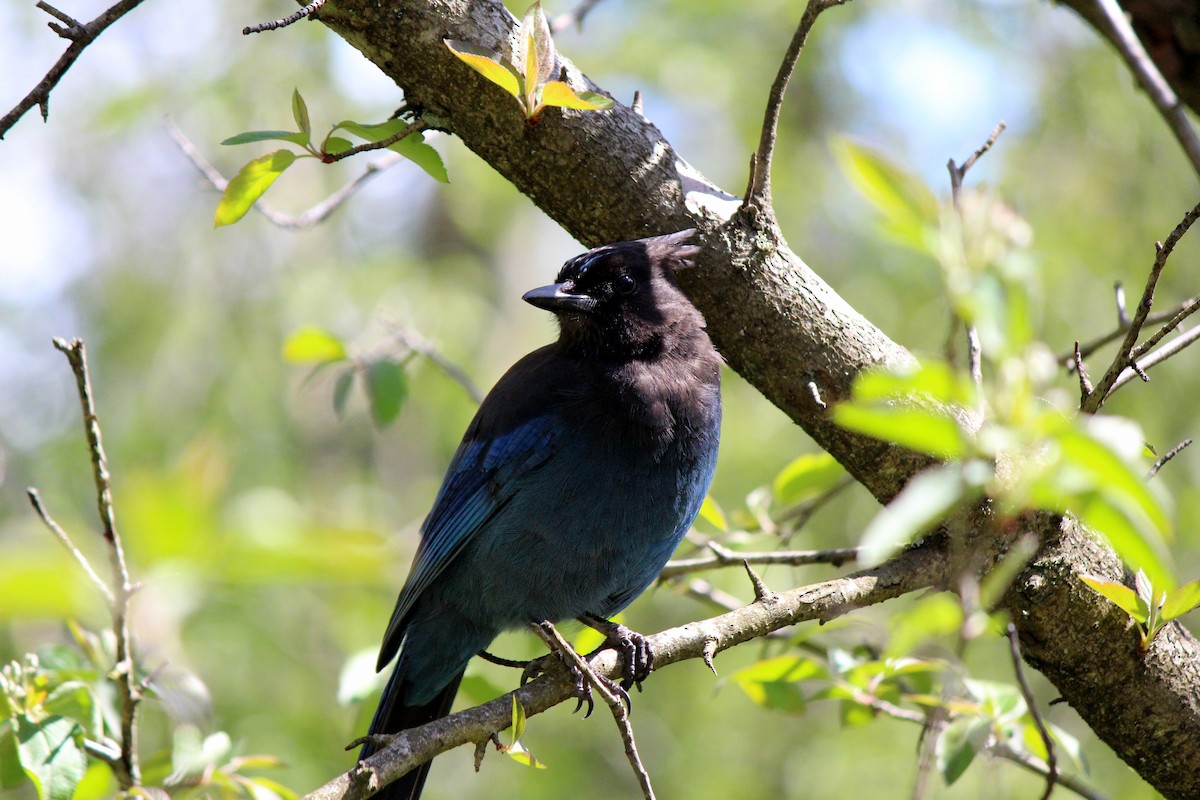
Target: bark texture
x,y
608,176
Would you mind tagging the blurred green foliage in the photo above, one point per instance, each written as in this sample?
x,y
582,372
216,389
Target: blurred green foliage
x,y
271,532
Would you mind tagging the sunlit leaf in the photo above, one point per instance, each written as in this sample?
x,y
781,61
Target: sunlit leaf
x,y
907,204
1181,601
313,345
931,617
920,505
358,678
300,114
50,755
518,720
999,700
250,137
486,64
557,93
11,773
536,53
387,387
711,512
1122,596
806,477
1113,472
249,184
930,431
774,683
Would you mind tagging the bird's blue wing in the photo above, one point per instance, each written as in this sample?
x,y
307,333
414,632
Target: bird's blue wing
x,y
481,479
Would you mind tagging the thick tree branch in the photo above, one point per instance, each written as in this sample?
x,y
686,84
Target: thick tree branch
x,y
790,335
911,571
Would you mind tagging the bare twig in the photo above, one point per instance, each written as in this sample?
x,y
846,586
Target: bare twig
x,y
574,17
313,216
1125,355
1174,451
1088,348
758,192
382,144
957,173
1185,310
81,36
1014,647
418,344
556,642
66,542
1171,348
1085,384
1120,33
129,695
724,557
307,11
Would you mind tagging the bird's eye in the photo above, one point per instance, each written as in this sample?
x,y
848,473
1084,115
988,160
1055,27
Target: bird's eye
x,y
626,284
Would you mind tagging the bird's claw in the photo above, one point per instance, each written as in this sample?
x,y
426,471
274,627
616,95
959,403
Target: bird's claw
x,y
637,657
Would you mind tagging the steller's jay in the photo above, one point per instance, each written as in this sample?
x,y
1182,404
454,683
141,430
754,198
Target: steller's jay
x,y
579,475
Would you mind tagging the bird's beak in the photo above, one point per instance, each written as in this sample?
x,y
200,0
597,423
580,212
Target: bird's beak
x,y
553,298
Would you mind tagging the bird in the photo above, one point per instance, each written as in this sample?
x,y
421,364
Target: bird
x,y
580,473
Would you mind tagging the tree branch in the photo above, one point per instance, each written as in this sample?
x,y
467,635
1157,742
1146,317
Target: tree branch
x,y
81,36
779,325
916,569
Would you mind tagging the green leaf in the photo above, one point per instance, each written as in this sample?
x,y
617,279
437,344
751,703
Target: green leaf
x,y
341,391
711,512
487,64
300,114
413,148
775,682
999,700
386,386
249,184
1120,595
518,720
557,93
930,617
935,432
313,345
336,145
373,132
808,476
957,746
264,136
1095,451
74,700
11,773
920,505
536,54
51,755
1181,601
907,204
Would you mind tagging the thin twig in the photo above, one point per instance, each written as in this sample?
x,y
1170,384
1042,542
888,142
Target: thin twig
x,y
555,641
1014,647
574,17
66,542
418,344
724,557
127,770
957,173
1088,348
382,144
1121,34
798,515
1085,384
1174,451
1171,348
81,36
307,11
1185,311
313,216
1125,358
758,192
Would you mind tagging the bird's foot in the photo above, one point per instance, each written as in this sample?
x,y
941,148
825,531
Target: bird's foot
x,y
637,657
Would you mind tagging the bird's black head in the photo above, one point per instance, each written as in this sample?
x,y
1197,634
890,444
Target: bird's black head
x,y
622,298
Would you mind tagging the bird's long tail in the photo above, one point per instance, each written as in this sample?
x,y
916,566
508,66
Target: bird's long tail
x,y
393,716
